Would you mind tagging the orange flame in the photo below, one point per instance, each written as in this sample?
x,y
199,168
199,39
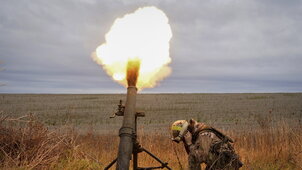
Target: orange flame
x,y
132,71
140,40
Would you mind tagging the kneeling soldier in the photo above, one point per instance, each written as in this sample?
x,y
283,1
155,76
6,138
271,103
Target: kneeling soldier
x,y
205,144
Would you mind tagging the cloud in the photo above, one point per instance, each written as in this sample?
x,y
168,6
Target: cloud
x,y
229,46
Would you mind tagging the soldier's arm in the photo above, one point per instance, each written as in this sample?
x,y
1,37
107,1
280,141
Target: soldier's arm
x,y
187,140
194,163
187,148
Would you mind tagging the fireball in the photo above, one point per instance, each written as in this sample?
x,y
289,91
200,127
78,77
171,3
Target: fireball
x,y
141,37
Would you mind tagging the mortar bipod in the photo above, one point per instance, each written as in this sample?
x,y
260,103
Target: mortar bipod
x,y
137,148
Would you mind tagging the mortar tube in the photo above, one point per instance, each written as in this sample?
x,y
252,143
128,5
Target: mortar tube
x,y
127,131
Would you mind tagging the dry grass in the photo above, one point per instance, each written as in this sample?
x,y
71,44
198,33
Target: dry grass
x,y
31,146
34,147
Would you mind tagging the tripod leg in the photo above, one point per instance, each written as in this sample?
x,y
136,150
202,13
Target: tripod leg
x,y
110,165
156,158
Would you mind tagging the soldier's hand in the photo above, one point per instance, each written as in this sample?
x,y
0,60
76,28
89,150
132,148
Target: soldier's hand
x,y
188,138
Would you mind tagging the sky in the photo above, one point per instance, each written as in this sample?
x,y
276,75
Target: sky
x,y
218,46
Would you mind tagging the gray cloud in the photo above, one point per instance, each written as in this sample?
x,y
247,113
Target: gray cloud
x,y
217,46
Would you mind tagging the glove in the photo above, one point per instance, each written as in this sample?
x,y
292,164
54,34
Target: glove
x,y
188,138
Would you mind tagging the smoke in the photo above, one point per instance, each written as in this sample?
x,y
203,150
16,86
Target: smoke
x,y
143,35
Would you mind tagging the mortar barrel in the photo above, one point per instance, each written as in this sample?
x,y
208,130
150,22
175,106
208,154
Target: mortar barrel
x,y
126,132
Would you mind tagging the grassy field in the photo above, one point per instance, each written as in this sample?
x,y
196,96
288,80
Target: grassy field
x,y
75,131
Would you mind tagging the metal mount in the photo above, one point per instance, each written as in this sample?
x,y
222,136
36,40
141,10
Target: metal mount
x,y
121,110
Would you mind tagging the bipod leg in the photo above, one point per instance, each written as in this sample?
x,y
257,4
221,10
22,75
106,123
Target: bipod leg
x,y
110,165
136,149
163,164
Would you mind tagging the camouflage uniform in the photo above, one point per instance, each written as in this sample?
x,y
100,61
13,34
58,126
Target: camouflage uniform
x,y
211,147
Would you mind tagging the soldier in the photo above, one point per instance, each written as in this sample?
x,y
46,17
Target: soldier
x,y
205,144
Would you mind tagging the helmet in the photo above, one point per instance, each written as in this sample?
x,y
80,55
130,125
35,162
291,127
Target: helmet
x,y
178,129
